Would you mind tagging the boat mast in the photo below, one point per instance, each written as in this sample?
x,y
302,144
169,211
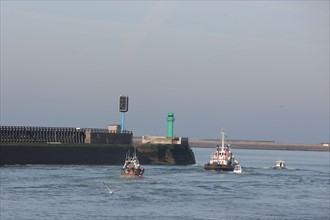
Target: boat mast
x,y
223,141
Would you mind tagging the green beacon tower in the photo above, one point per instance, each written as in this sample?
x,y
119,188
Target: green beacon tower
x,y
170,123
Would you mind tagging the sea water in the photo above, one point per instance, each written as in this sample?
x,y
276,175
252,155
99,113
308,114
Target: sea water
x,y
301,191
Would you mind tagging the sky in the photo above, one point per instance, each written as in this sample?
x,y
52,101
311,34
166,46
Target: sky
x,y
259,70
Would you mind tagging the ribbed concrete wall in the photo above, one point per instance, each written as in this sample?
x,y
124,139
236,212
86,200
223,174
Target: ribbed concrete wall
x,y
41,134
18,134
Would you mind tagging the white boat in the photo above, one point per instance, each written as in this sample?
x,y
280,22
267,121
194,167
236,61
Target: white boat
x,y
132,168
280,164
223,159
237,169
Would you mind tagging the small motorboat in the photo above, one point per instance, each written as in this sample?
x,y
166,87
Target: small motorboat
x,y
280,164
237,169
132,168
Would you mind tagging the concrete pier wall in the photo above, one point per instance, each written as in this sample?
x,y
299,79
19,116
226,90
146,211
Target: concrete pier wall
x,y
19,134
103,136
54,145
173,154
92,154
70,154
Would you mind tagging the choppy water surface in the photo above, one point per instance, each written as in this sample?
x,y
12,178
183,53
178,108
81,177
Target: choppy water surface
x,y
173,192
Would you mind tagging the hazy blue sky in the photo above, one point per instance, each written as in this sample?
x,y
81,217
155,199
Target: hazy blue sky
x,y
258,69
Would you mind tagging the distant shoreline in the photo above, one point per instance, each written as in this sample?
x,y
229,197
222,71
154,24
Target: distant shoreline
x,y
259,145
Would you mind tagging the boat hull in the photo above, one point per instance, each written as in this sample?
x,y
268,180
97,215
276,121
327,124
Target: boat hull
x,y
219,167
130,176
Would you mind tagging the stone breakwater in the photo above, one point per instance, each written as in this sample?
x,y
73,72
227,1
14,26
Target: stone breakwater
x,y
89,146
93,154
262,145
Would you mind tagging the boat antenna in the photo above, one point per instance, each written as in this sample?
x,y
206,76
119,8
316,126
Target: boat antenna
x,y
222,140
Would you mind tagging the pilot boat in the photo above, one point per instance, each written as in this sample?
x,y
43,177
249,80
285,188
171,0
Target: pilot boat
x,y
222,159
